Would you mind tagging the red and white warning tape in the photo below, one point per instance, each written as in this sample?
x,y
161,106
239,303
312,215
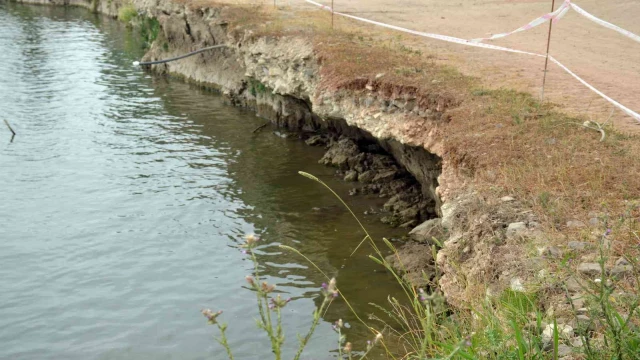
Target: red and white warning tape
x,y
557,15
554,16
452,39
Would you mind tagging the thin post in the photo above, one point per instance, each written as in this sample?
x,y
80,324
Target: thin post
x,y
274,3
331,14
546,60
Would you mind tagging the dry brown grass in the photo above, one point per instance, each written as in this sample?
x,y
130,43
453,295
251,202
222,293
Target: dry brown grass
x,y
545,158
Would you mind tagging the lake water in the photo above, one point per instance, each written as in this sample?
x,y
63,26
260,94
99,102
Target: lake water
x,y
124,198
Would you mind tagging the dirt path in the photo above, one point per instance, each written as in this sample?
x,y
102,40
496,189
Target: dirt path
x,y
604,58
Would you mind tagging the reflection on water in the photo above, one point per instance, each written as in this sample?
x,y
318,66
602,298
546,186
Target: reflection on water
x,y
124,198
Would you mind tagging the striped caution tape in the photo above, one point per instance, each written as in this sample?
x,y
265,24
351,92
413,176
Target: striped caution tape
x,y
554,16
557,15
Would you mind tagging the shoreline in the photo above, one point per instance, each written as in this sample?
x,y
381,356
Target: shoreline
x,y
437,125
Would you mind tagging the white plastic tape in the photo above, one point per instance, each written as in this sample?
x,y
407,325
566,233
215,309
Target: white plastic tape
x,y
556,15
429,35
319,5
452,39
609,25
627,111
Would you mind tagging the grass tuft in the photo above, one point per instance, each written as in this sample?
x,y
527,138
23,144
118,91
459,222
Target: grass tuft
x,y
127,13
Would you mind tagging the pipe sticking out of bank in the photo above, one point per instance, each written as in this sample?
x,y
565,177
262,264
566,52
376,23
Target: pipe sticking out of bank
x,y
142,63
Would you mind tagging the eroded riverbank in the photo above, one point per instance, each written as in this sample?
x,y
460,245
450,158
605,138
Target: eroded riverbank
x,y
510,180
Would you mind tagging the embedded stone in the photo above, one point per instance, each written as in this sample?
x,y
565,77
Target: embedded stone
x,y
577,245
340,153
425,232
385,176
572,285
551,251
275,71
583,319
415,261
563,329
622,261
577,301
515,229
585,323
574,224
367,176
351,176
589,269
516,285
620,269
564,350
316,140
409,214
577,342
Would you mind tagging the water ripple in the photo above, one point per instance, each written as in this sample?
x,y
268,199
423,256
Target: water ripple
x,y
125,198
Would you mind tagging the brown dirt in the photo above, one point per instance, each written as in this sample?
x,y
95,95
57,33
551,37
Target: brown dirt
x,y
604,58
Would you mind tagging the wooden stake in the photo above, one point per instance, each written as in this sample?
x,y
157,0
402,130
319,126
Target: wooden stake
x,y
331,14
10,128
546,61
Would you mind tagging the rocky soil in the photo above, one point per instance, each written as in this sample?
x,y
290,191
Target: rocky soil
x,y
374,172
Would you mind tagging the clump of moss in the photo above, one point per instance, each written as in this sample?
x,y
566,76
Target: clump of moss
x,y
256,87
149,27
127,13
149,30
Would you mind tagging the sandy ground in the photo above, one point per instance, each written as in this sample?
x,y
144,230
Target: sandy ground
x,y
604,58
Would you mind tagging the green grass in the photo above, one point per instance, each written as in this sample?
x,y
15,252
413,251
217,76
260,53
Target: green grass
x,y
148,27
256,87
149,30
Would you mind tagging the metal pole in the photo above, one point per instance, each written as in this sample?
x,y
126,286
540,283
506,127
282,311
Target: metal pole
x,y
332,14
546,60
